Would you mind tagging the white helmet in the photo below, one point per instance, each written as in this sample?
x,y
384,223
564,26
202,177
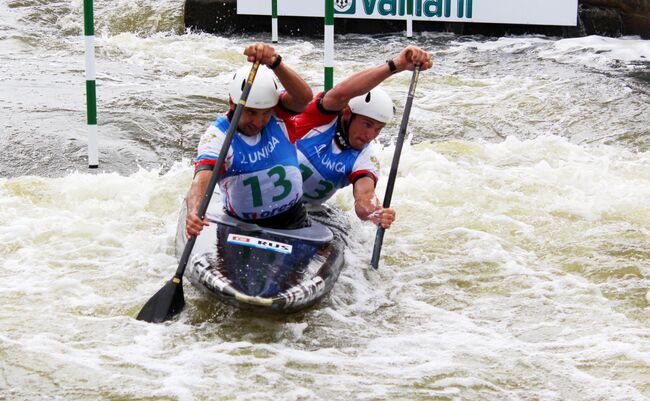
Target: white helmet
x,y
375,104
264,93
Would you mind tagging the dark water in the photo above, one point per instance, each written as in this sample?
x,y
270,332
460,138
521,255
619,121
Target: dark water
x,y
158,87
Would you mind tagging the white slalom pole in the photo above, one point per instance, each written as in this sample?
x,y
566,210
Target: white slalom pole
x,y
274,21
409,18
91,92
329,44
409,26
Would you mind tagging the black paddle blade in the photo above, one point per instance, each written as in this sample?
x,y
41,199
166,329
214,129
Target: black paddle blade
x,y
376,251
165,304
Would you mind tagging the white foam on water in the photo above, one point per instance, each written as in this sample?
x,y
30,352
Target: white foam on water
x,y
517,267
210,55
599,51
482,291
477,248
592,51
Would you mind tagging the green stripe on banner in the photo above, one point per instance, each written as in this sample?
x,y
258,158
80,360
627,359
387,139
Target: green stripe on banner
x,y
91,102
274,9
89,18
409,7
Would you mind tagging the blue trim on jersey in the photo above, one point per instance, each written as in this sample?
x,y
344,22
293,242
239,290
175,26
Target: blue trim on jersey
x,y
334,167
222,123
272,149
206,157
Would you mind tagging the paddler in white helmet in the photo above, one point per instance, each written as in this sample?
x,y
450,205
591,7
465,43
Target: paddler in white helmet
x,y
336,132
261,181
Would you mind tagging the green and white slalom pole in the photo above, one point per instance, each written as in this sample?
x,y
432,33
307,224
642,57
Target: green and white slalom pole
x,y
91,93
409,18
274,21
329,44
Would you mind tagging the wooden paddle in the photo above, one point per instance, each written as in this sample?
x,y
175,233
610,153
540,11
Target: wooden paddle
x,y
169,300
379,237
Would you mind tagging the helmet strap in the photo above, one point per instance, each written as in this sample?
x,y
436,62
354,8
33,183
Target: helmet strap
x,y
231,110
342,128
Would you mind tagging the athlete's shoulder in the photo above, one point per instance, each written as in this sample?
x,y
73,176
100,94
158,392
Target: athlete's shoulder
x,y
367,159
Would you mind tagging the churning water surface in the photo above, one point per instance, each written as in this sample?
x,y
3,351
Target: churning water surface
x,y
518,268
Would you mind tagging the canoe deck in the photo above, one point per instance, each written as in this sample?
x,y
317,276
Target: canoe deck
x,y
262,269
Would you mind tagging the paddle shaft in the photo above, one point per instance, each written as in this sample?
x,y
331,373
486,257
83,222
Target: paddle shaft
x,y
169,300
379,237
214,178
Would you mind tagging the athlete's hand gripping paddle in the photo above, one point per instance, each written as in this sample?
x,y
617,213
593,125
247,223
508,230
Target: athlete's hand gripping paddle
x,y
169,300
379,237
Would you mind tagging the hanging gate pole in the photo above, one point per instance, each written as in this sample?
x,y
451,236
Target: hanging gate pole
x,y
409,18
274,21
91,93
329,44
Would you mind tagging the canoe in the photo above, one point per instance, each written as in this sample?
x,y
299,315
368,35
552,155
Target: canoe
x,y
263,269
